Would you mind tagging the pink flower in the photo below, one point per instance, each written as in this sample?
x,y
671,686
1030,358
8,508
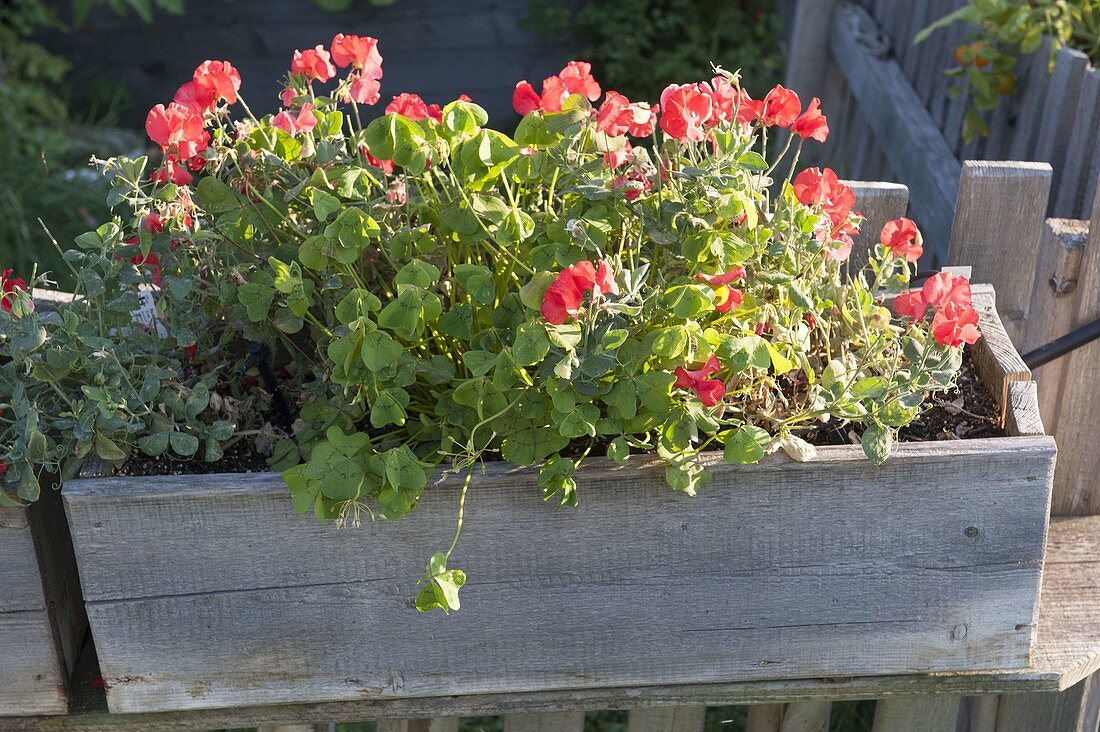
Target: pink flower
x,y
737,273
911,304
954,325
727,298
386,166
194,97
363,90
525,100
177,129
220,79
722,94
615,116
577,79
710,391
359,52
8,287
781,107
566,293
620,157
749,110
173,172
812,123
153,223
313,64
902,238
305,121
409,105
685,112
645,119
943,288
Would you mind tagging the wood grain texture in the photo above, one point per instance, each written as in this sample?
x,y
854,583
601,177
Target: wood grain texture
x,y
667,719
1059,116
1085,123
1022,411
878,202
439,724
221,596
997,229
807,59
807,716
1053,308
554,722
764,718
1068,651
1077,490
907,134
921,714
995,358
1031,105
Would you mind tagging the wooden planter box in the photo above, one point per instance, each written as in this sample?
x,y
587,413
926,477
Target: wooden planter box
x,y
207,591
42,622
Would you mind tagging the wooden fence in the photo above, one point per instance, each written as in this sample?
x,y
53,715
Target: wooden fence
x,y
892,118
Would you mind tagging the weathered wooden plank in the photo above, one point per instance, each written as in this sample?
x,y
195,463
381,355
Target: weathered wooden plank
x,y
879,203
807,716
437,724
1053,308
997,229
322,727
922,714
995,358
808,54
1066,653
931,56
1022,413
1092,172
983,713
1031,105
31,680
667,719
20,582
554,722
1050,711
764,718
1060,111
1077,490
1085,122
913,144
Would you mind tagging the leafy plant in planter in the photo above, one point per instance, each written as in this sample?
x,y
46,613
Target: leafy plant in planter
x,y
437,293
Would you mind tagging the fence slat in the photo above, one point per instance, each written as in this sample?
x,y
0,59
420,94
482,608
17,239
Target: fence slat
x,y
917,714
1082,140
1072,710
1060,110
667,719
998,223
808,58
1031,105
1076,490
439,724
551,722
1053,309
808,716
765,718
913,144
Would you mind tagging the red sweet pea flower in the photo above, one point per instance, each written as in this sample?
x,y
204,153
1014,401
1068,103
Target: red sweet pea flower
x,y
3,467
364,91
710,391
314,64
615,116
139,260
620,157
194,97
943,288
911,304
525,99
409,105
812,123
645,119
737,273
386,166
814,186
577,78
305,121
633,184
566,293
722,94
954,325
435,112
359,52
8,286
727,298
839,246
817,187
153,223
220,79
781,107
171,171
749,110
903,239
685,112
178,130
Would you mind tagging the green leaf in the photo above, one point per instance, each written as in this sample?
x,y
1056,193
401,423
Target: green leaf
x,y
216,197
380,350
183,444
441,586
619,450
324,204
753,161
154,444
746,444
417,272
876,441
107,449
690,300
477,282
404,470
256,298
389,407
528,446
531,345
479,362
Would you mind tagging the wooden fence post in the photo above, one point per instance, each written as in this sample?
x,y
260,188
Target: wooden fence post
x,y
1072,710
667,719
918,714
808,55
1060,110
1076,490
441,724
1074,178
999,216
807,716
550,722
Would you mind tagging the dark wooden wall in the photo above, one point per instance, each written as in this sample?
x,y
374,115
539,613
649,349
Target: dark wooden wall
x,y
436,48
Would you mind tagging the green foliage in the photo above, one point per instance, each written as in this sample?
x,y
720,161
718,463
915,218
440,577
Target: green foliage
x,y
638,47
1003,30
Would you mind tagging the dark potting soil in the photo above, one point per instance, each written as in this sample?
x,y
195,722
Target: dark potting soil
x,y
969,411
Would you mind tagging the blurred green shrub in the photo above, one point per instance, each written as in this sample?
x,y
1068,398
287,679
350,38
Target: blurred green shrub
x,y
638,47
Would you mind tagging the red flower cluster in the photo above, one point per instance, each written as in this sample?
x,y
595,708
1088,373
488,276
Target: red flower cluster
x,y
292,124
566,293
617,116
148,261
413,107
729,297
688,109
315,64
8,287
709,390
955,321
821,187
361,53
575,78
903,239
